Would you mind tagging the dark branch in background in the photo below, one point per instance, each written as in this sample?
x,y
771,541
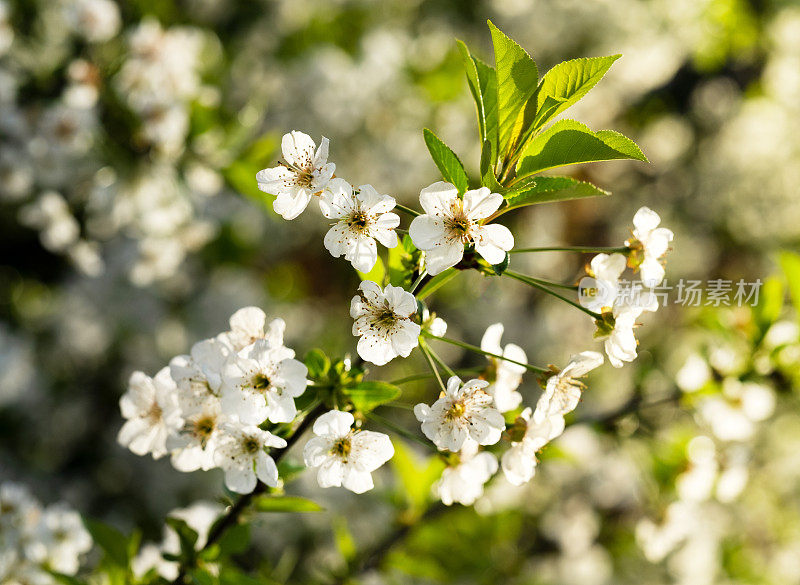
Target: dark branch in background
x,y
234,513
635,403
371,558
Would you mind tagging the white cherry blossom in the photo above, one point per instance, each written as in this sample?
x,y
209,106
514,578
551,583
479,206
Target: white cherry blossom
x,y
199,380
519,462
432,324
241,455
463,411
59,540
734,414
303,173
248,325
649,243
620,343
504,377
21,511
151,408
199,375
192,447
383,322
362,216
605,271
463,483
563,390
261,382
344,456
450,222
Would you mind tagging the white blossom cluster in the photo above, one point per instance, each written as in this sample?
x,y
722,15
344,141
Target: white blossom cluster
x,y
158,79
203,409
383,317
207,410
646,249
35,540
53,160
469,415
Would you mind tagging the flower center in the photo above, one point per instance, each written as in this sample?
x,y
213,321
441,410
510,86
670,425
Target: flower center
x,y
456,411
260,382
155,412
385,317
304,178
251,445
204,426
342,447
359,220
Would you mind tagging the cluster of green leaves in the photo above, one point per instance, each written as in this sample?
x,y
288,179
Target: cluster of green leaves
x,y
340,384
514,109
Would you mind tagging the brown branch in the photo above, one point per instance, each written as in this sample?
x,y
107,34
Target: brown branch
x,y
371,558
235,512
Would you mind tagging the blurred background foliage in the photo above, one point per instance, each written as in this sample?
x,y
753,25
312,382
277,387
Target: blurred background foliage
x,y
131,226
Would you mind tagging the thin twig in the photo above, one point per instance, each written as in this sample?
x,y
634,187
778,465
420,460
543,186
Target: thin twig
x,y
582,249
423,348
407,210
439,360
400,430
532,282
477,349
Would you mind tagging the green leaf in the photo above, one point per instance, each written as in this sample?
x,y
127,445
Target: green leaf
x,y
230,576
344,539
446,160
436,283
770,303
487,171
566,83
187,537
487,78
416,474
66,579
112,541
790,262
501,267
318,364
235,540
201,577
568,142
403,260
517,80
474,86
288,469
241,176
367,396
548,189
285,504
377,273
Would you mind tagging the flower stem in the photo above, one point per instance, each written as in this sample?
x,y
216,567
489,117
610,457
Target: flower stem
x,y
424,349
534,283
234,513
554,284
408,210
583,249
417,282
438,360
417,377
477,349
399,430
